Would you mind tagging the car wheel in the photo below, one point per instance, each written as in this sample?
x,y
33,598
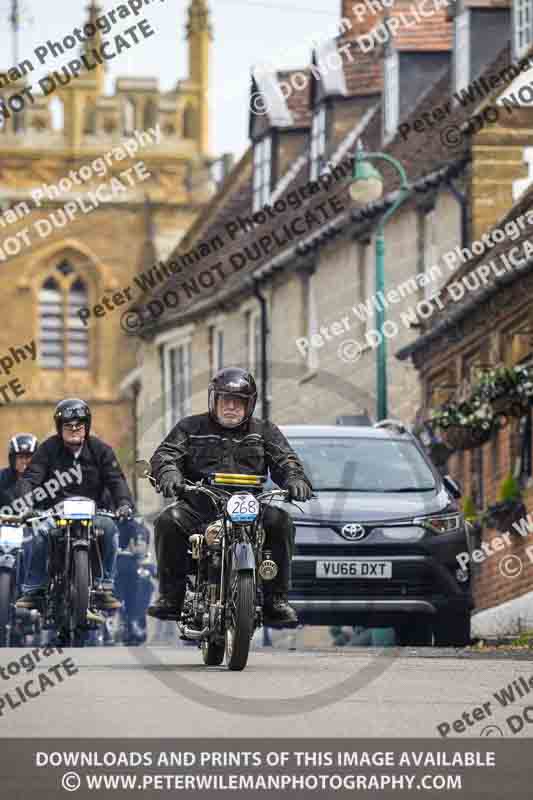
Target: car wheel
x,y
452,630
415,631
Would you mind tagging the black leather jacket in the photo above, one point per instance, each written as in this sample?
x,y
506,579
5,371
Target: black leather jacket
x,y
197,446
100,470
8,481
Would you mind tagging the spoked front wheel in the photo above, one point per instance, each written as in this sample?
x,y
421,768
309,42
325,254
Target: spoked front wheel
x,y
79,596
241,619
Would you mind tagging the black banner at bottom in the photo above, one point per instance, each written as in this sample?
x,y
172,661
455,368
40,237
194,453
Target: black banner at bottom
x,y
211,768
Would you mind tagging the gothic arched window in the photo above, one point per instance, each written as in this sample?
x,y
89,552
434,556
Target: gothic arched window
x,y
63,338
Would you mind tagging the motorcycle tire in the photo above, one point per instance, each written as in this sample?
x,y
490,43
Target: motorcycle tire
x,y
213,653
79,595
239,630
5,607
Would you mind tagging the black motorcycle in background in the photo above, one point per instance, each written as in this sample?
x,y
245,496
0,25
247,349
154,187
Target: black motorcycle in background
x,y
15,624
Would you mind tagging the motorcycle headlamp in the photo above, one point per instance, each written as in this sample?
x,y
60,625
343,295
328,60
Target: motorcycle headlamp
x,y
441,523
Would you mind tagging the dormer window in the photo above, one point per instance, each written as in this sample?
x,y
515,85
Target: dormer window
x,y
461,51
522,27
262,172
392,95
318,142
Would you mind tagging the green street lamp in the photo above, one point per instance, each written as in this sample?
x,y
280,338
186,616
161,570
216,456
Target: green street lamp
x,y
366,187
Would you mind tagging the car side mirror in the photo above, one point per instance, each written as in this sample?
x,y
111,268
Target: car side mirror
x,y
452,486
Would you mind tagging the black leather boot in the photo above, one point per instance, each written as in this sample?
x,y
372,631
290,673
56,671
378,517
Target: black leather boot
x,y
169,603
277,612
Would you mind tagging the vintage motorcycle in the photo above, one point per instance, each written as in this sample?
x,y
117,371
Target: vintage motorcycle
x,y
15,624
223,604
70,603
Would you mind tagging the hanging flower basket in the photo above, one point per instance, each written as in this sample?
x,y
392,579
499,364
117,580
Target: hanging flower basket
x,y
466,437
502,516
510,406
508,390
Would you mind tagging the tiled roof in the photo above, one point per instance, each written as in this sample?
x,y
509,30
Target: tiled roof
x,y
422,154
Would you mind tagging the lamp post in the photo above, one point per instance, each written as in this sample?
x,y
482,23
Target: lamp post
x,y
367,187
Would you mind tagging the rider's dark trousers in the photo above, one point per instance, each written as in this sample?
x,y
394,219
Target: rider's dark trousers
x,y
174,526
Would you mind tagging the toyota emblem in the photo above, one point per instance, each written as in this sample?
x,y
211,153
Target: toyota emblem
x,y
353,531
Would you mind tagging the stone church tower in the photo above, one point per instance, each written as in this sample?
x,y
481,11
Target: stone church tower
x,y
61,251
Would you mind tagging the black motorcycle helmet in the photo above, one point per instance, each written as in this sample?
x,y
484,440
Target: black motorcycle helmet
x,y
236,382
21,443
71,410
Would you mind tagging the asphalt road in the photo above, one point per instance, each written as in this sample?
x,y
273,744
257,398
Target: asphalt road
x,y
355,692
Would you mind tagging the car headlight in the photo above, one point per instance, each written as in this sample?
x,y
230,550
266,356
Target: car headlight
x,y
441,523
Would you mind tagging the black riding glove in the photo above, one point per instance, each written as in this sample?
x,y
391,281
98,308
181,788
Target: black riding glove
x,y
299,489
125,512
171,485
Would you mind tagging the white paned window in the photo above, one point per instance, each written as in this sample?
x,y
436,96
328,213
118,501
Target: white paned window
x,y
178,382
522,27
392,95
461,53
262,172
216,348
318,143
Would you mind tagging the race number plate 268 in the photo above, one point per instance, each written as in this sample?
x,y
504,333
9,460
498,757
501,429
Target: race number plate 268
x,y
353,568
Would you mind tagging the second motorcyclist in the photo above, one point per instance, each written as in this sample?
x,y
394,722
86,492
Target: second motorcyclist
x,y
99,469
22,446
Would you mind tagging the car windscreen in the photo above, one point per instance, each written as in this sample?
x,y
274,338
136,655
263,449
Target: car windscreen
x,y
364,465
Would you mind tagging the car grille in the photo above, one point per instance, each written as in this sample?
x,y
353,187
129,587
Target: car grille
x,y
354,549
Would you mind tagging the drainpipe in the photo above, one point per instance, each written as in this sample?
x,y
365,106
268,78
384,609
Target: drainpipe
x,y
264,360
135,404
461,199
